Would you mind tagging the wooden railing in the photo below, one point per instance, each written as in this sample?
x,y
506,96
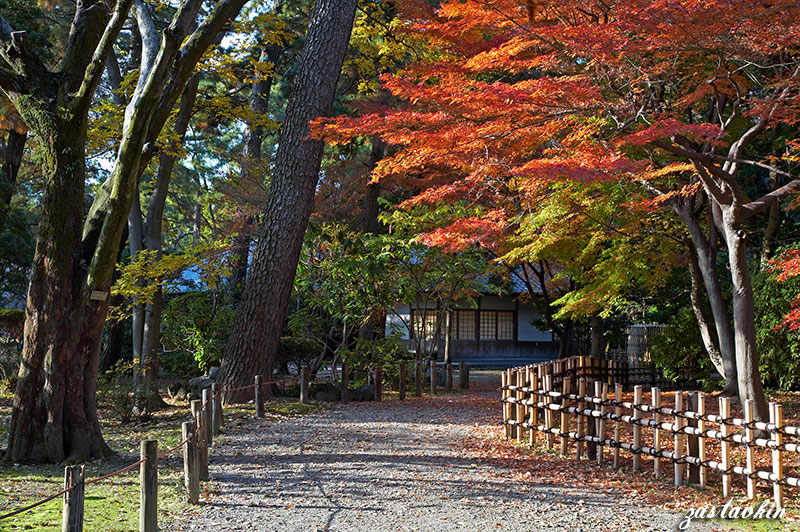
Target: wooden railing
x,y
679,431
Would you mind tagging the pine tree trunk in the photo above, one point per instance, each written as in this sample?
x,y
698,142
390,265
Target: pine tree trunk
x,y
253,342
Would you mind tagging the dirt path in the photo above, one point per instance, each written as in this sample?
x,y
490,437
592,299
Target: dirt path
x,y
393,466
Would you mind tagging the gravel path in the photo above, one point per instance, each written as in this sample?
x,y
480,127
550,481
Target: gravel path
x,y
391,466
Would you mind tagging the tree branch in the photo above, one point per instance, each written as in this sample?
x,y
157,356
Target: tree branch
x,y
767,200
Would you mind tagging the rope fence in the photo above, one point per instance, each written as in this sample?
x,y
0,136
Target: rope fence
x,y
681,430
197,436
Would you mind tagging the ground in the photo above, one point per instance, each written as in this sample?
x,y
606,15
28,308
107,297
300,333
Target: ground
x,y
402,466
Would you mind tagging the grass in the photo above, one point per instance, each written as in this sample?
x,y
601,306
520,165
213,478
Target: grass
x,y
112,505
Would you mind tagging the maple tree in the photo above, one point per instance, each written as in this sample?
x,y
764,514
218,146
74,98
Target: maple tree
x,y
528,94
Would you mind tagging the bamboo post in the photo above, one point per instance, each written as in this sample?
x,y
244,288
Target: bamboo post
x,y
345,391
601,391
304,380
565,389
216,410
462,373
618,413
148,487
259,402
191,477
418,380
379,384
580,421
534,398
548,414
520,406
693,443
72,508
512,411
433,376
504,401
637,429
202,445
655,400
776,418
679,439
701,442
725,445
402,384
591,426
207,406
751,452
449,382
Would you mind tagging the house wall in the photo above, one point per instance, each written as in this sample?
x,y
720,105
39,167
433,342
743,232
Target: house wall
x,y
531,344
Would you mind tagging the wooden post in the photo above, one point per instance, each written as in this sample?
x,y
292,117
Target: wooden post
x,y
520,406
449,382
148,487
72,509
378,384
637,429
701,451
565,389
680,469
725,413
776,418
207,406
601,391
693,443
433,376
259,402
655,400
548,414
191,477
591,427
512,410
202,446
580,421
750,451
216,410
304,378
345,392
504,401
462,374
534,398
418,380
402,386
618,413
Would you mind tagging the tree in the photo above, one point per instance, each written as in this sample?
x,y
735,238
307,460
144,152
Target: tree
x,y
54,415
556,90
252,346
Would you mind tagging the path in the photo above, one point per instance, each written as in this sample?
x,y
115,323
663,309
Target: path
x,y
391,466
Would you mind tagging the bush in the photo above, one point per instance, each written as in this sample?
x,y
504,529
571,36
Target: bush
x,y
679,349
778,347
195,327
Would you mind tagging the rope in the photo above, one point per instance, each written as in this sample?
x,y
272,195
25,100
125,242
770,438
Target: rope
x,y
169,451
34,505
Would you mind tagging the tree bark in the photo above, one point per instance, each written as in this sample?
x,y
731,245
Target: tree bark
x,y
698,306
252,345
12,160
749,376
706,254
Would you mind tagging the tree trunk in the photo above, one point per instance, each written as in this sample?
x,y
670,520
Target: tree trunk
x,y
698,306
770,237
54,415
253,342
136,243
705,249
749,376
598,345
12,160
153,236
564,333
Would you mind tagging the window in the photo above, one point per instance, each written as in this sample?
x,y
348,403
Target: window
x,y
424,324
463,325
488,325
497,325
